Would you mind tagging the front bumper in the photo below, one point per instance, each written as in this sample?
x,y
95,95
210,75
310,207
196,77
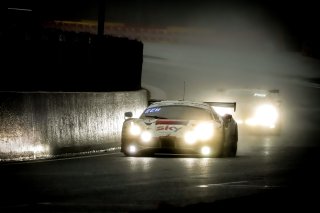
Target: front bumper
x,y
168,144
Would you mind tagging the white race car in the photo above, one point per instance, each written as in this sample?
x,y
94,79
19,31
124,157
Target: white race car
x,y
259,111
180,127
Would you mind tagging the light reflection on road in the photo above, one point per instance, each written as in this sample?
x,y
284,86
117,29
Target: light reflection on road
x,y
267,142
192,164
140,164
258,144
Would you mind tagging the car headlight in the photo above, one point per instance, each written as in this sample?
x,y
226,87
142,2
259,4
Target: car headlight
x,y
202,132
146,136
132,149
205,150
190,137
265,115
134,129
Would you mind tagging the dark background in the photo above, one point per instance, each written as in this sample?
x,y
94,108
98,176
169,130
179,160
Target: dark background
x,y
76,65
298,18
40,59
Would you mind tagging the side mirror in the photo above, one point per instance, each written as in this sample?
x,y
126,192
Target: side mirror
x,y
128,115
227,119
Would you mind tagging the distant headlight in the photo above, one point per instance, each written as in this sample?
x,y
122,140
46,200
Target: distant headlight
x,y
146,136
134,129
265,115
202,132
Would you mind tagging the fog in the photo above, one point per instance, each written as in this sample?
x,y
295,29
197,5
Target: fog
x,y
231,44
205,69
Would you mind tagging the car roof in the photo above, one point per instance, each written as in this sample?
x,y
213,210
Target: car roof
x,y
181,103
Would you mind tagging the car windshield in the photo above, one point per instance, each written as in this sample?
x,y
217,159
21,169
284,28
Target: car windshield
x,y
177,112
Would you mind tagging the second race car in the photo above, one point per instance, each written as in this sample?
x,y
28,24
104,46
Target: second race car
x,y
259,110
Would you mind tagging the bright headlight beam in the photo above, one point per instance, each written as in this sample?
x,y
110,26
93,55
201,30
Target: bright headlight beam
x,y
251,122
135,129
190,137
204,131
267,111
205,150
146,136
132,149
265,115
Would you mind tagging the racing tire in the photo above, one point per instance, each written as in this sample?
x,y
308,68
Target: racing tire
x,y
234,145
127,154
218,153
231,144
218,147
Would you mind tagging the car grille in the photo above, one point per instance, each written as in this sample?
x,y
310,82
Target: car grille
x,y
167,142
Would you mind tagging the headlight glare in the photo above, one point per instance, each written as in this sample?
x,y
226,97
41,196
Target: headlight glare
x,y
190,137
205,150
146,136
132,149
135,129
265,115
204,131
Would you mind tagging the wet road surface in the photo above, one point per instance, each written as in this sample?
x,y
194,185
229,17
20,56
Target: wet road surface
x,y
268,173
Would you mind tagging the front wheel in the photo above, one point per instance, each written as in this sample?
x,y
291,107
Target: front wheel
x,y
127,154
217,145
231,143
230,151
217,150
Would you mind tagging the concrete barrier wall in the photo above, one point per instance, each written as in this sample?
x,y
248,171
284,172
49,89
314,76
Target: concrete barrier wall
x,y
40,124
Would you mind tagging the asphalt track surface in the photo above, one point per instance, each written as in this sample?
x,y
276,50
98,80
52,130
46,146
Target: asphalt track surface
x,y
268,174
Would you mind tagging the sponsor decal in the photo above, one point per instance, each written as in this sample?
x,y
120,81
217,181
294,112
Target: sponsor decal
x,y
151,110
168,128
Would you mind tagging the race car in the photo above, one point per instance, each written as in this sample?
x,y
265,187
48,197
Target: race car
x,y
180,127
259,110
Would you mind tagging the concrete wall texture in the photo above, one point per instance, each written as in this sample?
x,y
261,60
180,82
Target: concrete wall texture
x,y
40,124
